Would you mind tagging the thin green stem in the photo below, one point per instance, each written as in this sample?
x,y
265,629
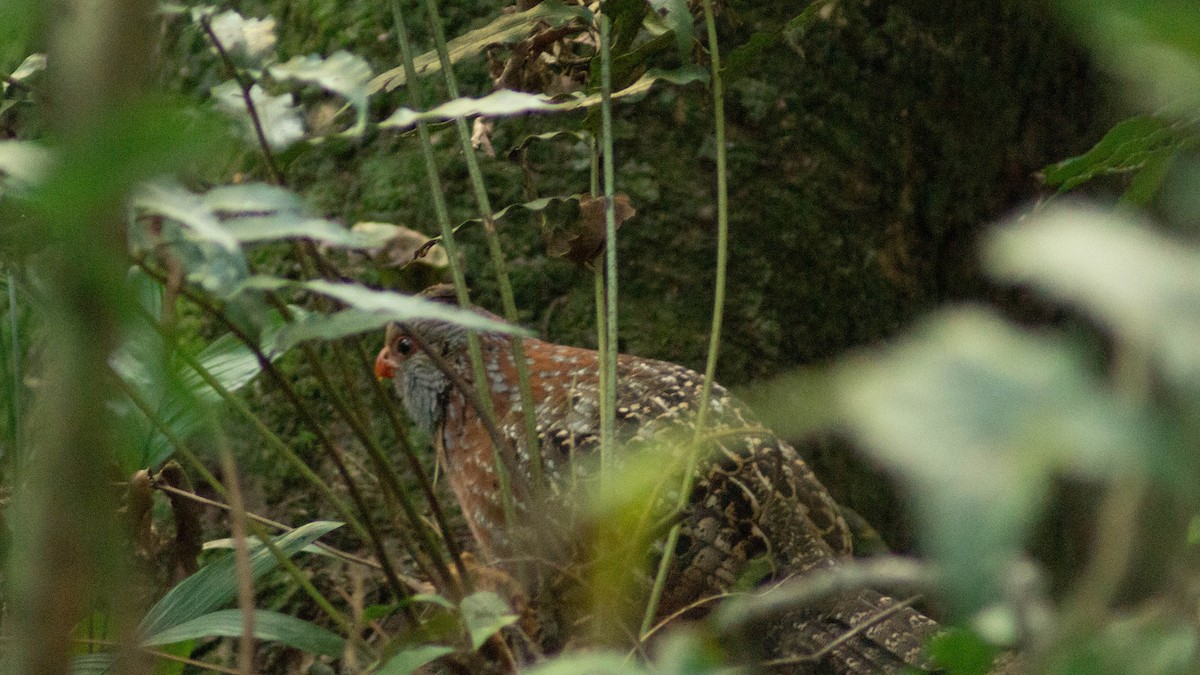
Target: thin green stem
x,y
495,250
448,242
714,342
608,353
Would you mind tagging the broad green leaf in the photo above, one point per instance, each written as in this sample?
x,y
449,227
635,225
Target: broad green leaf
x,y
215,585
245,214
369,310
505,29
506,102
1129,146
254,545
484,614
251,198
976,416
268,626
257,229
178,204
342,73
1142,285
500,103
334,326
279,116
407,661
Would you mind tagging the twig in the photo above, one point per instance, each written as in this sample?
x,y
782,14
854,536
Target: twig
x,y
338,553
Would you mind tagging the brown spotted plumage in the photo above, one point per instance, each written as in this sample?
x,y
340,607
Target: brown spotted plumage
x,y
753,497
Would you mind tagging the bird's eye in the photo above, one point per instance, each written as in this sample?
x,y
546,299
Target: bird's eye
x,y
404,346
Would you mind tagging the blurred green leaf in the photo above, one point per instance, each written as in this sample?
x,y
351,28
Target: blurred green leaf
x,y
505,29
249,198
1153,44
142,140
961,652
180,396
250,41
215,584
1141,285
602,663
268,626
33,64
1139,645
17,21
484,614
175,202
975,416
342,73
1131,145
23,163
244,214
407,661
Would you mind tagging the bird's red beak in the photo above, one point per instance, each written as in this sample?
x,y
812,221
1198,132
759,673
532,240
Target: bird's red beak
x,y
385,369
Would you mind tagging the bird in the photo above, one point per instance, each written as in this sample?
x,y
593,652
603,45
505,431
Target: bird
x,y
752,498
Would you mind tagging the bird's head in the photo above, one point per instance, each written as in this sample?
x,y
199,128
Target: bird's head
x,y
419,382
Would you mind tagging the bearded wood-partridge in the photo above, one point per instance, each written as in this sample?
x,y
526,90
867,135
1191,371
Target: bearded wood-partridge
x,y
753,497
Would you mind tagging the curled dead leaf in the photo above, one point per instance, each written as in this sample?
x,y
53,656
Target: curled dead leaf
x,y
584,240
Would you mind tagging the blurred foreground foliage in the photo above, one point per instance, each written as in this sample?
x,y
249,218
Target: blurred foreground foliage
x,y
271,185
